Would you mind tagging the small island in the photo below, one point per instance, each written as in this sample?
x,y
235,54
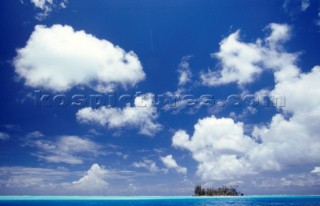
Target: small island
x,y
222,191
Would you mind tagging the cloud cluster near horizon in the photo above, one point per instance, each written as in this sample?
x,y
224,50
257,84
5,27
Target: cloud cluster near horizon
x,y
220,145
60,58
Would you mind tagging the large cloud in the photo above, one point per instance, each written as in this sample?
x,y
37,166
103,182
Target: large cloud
x,y
142,116
292,137
219,146
289,140
58,58
223,151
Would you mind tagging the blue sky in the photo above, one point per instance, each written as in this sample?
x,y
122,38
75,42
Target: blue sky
x,y
153,97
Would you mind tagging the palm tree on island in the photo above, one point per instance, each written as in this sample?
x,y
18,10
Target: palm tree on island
x,y
221,191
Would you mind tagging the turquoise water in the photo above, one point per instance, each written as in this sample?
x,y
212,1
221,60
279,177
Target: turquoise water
x,y
161,201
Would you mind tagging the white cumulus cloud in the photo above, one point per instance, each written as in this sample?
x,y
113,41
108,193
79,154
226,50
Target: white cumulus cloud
x,y
171,163
289,140
219,146
95,179
142,116
58,58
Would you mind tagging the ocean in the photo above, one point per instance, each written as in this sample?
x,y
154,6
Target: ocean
x,y
161,201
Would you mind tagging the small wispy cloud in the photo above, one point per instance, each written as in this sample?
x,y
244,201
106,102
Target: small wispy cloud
x,y
4,136
66,149
47,6
150,165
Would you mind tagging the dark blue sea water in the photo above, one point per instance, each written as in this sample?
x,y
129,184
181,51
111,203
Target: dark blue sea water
x,y
163,201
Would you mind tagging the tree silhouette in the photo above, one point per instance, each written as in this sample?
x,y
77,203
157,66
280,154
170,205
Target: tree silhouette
x,y
222,191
